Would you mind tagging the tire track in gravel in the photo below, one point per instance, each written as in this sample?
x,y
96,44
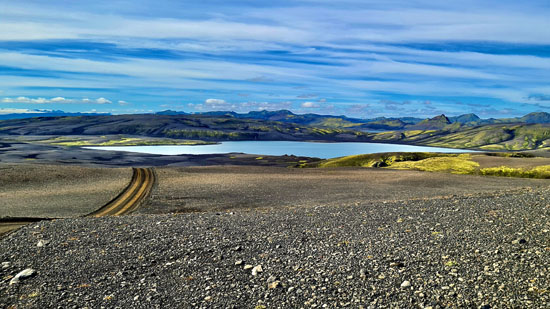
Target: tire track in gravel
x,y
126,202
129,199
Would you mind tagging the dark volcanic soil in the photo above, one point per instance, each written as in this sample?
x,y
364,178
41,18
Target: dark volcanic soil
x,y
476,251
220,188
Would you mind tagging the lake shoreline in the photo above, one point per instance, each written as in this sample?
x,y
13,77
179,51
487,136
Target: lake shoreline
x,y
279,148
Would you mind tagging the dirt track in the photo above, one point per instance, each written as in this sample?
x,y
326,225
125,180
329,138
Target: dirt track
x,y
140,186
126,202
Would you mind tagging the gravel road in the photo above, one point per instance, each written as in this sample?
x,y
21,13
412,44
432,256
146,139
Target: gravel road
x,y
484,251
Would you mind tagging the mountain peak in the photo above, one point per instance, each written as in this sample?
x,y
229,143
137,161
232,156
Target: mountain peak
x,y
438,119
465,118
536,117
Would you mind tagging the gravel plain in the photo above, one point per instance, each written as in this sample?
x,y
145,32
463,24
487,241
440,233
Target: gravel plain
x,y
53,191
221,188
477,251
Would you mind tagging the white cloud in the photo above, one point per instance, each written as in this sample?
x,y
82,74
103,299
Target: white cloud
x,y
123,103
4,111
242,107
310,105
58,99
102,101
54,100
215,102
25,100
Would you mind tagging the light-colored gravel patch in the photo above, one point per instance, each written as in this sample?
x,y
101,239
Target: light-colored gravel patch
x,y
34,190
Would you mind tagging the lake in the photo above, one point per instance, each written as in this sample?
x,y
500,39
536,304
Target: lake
x,y
279,148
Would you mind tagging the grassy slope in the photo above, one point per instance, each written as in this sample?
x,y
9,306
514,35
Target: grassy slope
x,y
487,137
432,162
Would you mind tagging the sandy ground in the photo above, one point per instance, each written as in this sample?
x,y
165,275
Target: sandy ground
x,y
219,188
35,190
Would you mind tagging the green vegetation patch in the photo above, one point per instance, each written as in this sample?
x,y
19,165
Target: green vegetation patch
x,y
435,162
336,123
378,159
541,172
511,154
461,164
123,141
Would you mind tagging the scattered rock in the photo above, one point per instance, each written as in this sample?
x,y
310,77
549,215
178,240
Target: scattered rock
x,y
247,266
5,265
238,262
42,243
406,284
257,269
520,241
275,284
24,274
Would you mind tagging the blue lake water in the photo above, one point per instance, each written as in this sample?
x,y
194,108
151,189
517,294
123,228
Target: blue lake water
x,y
279,148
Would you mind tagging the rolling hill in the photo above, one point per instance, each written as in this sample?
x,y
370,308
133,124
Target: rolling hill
x,y
460,132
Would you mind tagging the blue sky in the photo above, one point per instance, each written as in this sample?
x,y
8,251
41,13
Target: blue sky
x,y
359,58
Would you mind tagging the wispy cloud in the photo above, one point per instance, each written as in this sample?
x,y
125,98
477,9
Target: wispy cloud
x,y
539,97
354,53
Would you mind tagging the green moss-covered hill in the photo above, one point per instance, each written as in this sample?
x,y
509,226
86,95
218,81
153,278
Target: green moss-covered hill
x,y
486,137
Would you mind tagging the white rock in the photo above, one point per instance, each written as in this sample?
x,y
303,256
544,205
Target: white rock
x,y
257,269
274,284
23,275
5,265
238,262
247,266
42,243
405,284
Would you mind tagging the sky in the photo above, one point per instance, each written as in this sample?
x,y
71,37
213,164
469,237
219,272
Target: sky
x,y
360,58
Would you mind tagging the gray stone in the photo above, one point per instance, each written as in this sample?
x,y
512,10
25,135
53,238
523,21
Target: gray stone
x,y
24,274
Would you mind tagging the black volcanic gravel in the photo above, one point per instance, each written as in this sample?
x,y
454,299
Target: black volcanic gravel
x,y
478,251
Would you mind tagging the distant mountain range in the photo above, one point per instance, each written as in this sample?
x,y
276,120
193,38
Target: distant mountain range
x,y
380,123
531,131
330,121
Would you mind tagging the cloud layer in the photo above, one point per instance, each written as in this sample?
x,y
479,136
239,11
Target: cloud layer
x,y
346,57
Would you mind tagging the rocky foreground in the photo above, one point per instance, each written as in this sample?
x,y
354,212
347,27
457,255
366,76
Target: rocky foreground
x,y
486,251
